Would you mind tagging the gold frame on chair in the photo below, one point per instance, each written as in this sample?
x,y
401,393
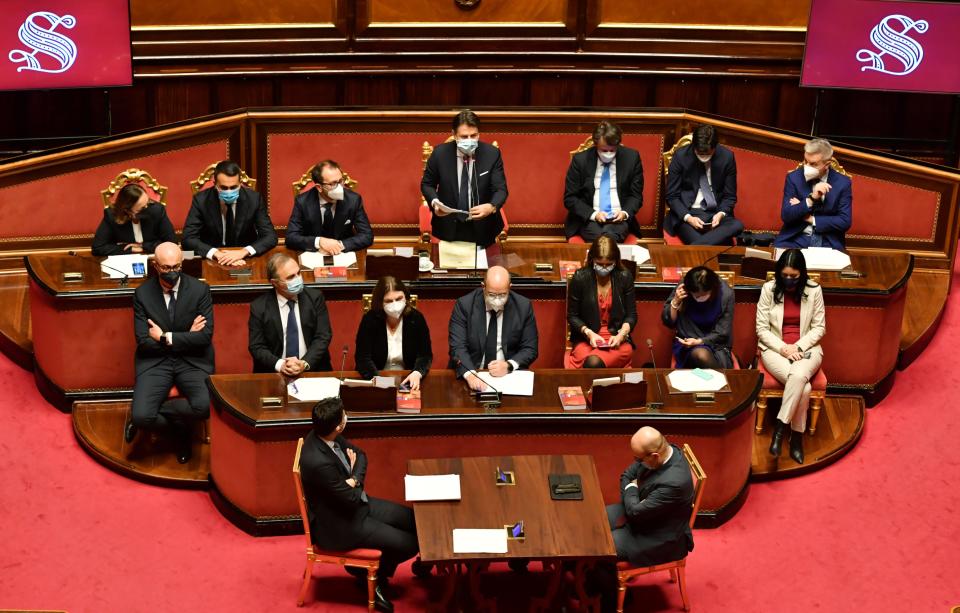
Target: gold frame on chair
x,y
197,184
128,176
305,180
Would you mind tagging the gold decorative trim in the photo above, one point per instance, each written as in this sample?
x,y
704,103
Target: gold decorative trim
x,y
305,180
667,156
197,184
232,26
132,175
703,26
467,26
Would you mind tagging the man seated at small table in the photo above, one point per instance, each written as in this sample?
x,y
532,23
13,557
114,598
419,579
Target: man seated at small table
x,y
702,191
342,515
329,218
289,328
173,324
604,188
132,224
228,222
492,328
817,207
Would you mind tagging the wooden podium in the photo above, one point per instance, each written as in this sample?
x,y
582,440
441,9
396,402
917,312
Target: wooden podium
x,y
618,396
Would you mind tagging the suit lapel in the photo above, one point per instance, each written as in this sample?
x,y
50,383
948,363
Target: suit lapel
x,y
621,168
480,320
213,208
305,306
340,214
804,313
273,316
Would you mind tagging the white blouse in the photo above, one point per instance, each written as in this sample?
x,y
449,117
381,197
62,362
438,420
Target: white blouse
x,y
394,348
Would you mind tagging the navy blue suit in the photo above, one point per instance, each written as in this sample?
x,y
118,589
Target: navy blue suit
x,y
833,215
350,223
683,184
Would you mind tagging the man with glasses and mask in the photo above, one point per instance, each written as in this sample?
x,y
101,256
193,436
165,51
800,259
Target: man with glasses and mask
x,y
173,324
467,175
492,328
817,206
228,222
329,218
289,328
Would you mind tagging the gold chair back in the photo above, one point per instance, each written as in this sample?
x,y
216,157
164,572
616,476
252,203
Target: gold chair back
x,y
667,156
207,177
306,181
834,165
583,147
133,175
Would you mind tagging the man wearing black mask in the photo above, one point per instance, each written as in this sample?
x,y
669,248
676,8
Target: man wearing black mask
x,y
173,324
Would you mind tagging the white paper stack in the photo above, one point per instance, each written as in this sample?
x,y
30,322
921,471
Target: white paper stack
x,y
634,253
419,488
462,255
689,381
314,388
133,265
314,259
467,540
517,383
822,258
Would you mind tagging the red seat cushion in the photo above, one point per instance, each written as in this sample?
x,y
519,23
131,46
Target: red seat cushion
x,y
368,555
671,240
426,216
819,381
174,392
578,240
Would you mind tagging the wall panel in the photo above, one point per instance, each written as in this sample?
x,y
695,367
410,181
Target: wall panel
x,y
145,13
696,13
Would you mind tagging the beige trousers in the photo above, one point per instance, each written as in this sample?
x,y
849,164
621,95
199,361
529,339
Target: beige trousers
x,y
795,377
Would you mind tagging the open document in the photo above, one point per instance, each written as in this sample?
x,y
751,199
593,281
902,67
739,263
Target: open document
x,y
697,380
313,388
462,254
517,383
450,211
479,541
419,488
822,258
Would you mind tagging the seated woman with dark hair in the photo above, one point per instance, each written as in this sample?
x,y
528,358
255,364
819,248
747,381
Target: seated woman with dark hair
x,y
601,300
132,224
701,311
393,335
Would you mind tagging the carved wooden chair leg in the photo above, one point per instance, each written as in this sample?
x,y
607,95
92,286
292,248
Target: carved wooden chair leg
x,y
673,575
371,587
621,593
307,576
761,411
816,402
682,582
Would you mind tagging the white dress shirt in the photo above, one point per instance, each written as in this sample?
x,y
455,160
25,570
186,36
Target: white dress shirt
x,y
499,338
614,197
137,232
394,348
285,306
223,224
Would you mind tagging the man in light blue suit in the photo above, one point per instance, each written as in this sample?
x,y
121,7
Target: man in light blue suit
x,y
817,206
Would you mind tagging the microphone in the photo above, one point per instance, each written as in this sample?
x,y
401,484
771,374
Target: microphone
x,y
343,360
717,255
474,373
655,405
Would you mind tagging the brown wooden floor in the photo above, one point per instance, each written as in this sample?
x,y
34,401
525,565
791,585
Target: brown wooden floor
x,y
927,293
15,332
99,428
838,430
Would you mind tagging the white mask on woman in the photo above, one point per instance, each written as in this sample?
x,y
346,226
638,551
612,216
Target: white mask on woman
x,y
395,308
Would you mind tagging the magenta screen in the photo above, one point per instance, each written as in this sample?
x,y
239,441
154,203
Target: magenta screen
x,y
64,43
885,45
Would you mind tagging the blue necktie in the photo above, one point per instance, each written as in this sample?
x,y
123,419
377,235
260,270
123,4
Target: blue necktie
x,y
709,200
605,206
293,332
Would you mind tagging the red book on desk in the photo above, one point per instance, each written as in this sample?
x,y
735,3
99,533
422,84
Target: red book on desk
x,y
408,402
568,267
332,273
572,398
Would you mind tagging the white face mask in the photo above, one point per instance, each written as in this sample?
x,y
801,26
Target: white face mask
x,y
495,303
704,158
467,146
395,308
336,193
607,156
810,173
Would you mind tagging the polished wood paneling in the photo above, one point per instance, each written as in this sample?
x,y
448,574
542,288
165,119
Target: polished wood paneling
x,y
751,100
359,91
927,294
177,100
733,13
16,339
144,13
308,91
446,11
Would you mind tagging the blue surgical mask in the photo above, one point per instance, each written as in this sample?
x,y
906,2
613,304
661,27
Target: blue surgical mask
x,y
603,271
295,285
467,146
229,196
607,156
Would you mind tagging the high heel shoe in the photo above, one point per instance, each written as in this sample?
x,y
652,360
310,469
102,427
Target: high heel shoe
x,y
777,441
796,446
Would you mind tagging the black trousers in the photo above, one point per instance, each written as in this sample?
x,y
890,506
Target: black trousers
x,y
721,235
391,528
152,411
592,230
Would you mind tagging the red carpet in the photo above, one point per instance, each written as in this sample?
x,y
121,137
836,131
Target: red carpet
x,y
877,531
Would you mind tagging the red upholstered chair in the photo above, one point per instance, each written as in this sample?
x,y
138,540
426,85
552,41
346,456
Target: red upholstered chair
x,y
626,571
144,179
205,179
685,140
425,215
576,239
358,558
773,388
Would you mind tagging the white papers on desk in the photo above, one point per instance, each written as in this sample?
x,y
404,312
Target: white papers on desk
x,y
635,376
133,265
634,253
689,381
404,252
314,259
516,383
462,254
419,488
467,540
345,259
822,258
314,388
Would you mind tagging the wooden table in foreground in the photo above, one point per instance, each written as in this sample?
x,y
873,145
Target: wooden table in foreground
x,y
251,446
555,530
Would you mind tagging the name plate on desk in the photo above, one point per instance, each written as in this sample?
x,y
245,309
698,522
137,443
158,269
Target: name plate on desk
x,y
396,266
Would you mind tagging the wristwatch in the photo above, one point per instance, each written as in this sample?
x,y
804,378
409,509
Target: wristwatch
x,y
509,367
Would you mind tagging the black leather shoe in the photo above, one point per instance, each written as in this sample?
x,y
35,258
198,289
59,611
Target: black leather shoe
x,y
420,569
777,441
796,447
185,447
129,430
380,600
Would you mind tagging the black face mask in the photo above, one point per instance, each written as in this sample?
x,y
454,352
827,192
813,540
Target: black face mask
x,y
790,283
170,277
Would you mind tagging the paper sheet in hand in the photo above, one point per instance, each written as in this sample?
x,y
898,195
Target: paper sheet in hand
x,y
132,265
479,541
462,254
688,381
822,258
419,488
450,211
314,388
517,383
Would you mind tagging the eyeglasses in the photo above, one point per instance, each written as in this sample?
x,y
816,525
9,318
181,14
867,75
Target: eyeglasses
x,y
331,185
498,296
173,268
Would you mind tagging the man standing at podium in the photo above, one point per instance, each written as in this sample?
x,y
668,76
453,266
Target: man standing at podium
x,y
173,323
467,175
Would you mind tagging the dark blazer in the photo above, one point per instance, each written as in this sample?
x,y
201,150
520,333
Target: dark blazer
x,y
371,347
720,338
468,331
350,224
489,185
683,183
583,309
154,225
195,348
265,330
658,510
579,189
203,229
833,215
337,514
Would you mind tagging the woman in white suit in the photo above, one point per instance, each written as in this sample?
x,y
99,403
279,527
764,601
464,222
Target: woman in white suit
x,y
790,323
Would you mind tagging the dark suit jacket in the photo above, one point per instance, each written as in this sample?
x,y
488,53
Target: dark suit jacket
x,y
579,189
371,349
336,512
658,510
350,224
265,330
203,229
720,337
583,309
154,225
834,214
196,348
468,331
683,183
489,185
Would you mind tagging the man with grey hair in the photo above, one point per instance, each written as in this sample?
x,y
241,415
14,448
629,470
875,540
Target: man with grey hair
x,y
817,207
289,328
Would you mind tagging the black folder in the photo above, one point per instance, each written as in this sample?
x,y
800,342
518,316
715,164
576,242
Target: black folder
x,y
565,487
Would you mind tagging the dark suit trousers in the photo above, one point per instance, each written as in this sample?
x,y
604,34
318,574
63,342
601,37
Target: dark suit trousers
x,y
592,230
152,411
391,528
721,235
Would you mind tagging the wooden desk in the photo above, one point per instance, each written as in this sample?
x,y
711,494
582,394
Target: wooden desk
x,y
554,529
251,447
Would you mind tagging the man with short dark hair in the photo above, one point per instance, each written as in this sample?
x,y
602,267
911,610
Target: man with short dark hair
x,y
604,188
228,222
289,328
329,218
702,191
342,515
467,175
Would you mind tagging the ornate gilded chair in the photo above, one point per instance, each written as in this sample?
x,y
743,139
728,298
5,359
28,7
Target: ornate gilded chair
x,y
306,181
357,558
205,179
426,215
144,179
667,156
576,239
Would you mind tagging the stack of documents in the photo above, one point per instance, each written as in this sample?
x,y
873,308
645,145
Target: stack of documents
x,y
315,259
314,388
634,253
462,254
822,258
122,266
420,488
517,383
467,540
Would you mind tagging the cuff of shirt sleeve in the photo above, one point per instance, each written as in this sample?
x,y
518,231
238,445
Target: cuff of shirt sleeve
x,y
686,217
251,250
278,365
168,336
211,252
316,243
629,485
514,364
